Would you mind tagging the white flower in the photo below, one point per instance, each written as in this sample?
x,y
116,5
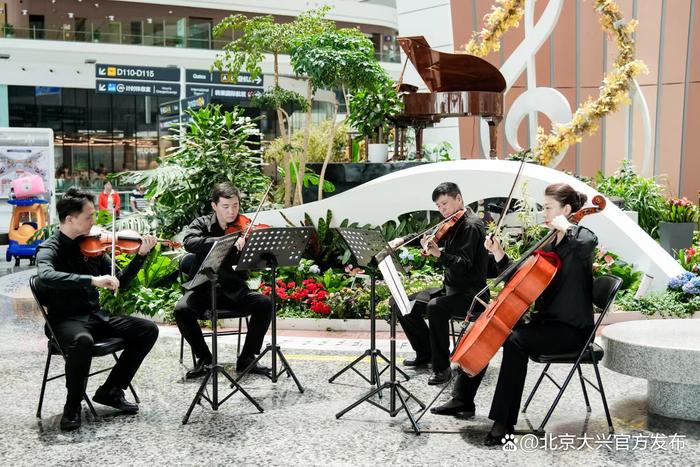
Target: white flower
x,y
301,267
313,269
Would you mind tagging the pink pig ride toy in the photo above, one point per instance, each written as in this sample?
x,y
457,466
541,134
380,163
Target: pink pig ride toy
x,y
28,216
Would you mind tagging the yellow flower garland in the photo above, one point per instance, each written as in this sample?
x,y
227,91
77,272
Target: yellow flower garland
x,y
614,91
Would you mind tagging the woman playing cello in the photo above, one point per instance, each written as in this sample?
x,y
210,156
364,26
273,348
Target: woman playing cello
x,y
561,322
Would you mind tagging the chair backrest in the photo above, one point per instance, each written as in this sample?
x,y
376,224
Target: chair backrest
x,y
605,288
41,296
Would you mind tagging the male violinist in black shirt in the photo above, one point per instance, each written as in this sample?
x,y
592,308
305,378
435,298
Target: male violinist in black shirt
x,y
233,292
71,281
465,261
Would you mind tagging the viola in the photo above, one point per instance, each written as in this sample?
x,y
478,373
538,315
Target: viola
x,y
533,273
99,242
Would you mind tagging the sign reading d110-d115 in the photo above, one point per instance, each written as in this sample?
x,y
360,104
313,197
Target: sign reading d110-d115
x,y
140,73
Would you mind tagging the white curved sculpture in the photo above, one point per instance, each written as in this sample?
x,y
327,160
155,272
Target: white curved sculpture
x,y
409,190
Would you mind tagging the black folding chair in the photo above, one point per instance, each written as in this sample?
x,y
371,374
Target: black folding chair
x,y
101,347
188,266
604,290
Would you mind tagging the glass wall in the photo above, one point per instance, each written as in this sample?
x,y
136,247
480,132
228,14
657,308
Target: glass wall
x,y
95,134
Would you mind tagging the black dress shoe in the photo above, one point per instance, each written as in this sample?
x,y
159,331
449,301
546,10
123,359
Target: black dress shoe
x,y
71,418
440,377
257,369
418,361
493,439
455,407
199,370
114,397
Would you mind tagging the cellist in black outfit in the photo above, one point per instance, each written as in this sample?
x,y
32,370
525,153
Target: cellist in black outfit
x,y
562,321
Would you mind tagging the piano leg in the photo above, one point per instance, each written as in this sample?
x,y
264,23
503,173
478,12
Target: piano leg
x,y
493,133
419,143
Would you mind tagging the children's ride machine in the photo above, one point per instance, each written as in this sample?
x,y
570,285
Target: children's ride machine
x,y
29,215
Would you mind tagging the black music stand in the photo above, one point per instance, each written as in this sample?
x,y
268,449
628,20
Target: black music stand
x,y
365,245
207,273
270,249
395,387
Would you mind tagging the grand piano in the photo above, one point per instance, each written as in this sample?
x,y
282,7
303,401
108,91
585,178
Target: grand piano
x,y
460,85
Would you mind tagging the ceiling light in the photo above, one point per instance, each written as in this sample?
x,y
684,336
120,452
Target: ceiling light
x,y
110,17
149,20
170,12
24,12
97,5
71,15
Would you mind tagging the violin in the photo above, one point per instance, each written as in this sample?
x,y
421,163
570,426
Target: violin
x,y
242,224
99,242
442,231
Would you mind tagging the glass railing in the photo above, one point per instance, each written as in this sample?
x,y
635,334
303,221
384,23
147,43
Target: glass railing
x,y
156,39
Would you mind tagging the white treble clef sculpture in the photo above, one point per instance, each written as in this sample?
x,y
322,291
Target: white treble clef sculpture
x,y
546,100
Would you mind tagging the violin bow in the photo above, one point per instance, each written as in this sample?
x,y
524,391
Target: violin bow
x,y
257,211
114,244
509,199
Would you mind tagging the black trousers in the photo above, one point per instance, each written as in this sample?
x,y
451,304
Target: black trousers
x,y
432,340
195,304
534,338
76,338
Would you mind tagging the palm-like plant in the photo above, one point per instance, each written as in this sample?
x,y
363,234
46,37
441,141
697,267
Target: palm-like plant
x,y
214,147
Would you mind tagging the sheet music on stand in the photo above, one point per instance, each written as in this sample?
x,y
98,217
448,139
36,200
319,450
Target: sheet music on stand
x,y
393,281
212,262
288,244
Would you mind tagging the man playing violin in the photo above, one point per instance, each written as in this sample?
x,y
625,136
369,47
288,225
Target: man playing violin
x,y
465,264
562,322
71,280
233,292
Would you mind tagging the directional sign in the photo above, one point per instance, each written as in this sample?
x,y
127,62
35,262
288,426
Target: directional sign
x,y
224,92
141,73
169,108
169,122
217,77
195,102
139,88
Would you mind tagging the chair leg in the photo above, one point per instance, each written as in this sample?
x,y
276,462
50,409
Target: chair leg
x,y
90,406
43,384
452,333
131,388
182,348
556,400
534,389
602,396
238,345
583,388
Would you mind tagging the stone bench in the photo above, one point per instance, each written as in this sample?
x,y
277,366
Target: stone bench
x,y
664,352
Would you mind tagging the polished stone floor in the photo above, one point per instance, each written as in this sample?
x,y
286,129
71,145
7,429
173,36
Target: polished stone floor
x,y
300,429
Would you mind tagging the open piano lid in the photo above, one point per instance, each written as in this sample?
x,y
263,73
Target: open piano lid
x,y
445,72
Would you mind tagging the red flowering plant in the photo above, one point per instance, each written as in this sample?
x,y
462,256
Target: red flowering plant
x,y
607,262
310,294
689,258
680,210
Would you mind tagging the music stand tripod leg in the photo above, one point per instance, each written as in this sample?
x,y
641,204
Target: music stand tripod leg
x,y
373,353
214,368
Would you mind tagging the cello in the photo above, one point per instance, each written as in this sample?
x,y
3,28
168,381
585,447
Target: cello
x,y
529,277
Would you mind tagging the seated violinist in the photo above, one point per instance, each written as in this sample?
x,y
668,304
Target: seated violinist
x,y
465,262
233,292
74,310
561,322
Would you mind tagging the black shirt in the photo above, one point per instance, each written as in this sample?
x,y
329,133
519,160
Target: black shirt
x,y
569,297
199,239
68,274
464,257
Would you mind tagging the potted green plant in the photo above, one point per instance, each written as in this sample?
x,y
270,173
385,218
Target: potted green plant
x,y
9,30
679,220
370,113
